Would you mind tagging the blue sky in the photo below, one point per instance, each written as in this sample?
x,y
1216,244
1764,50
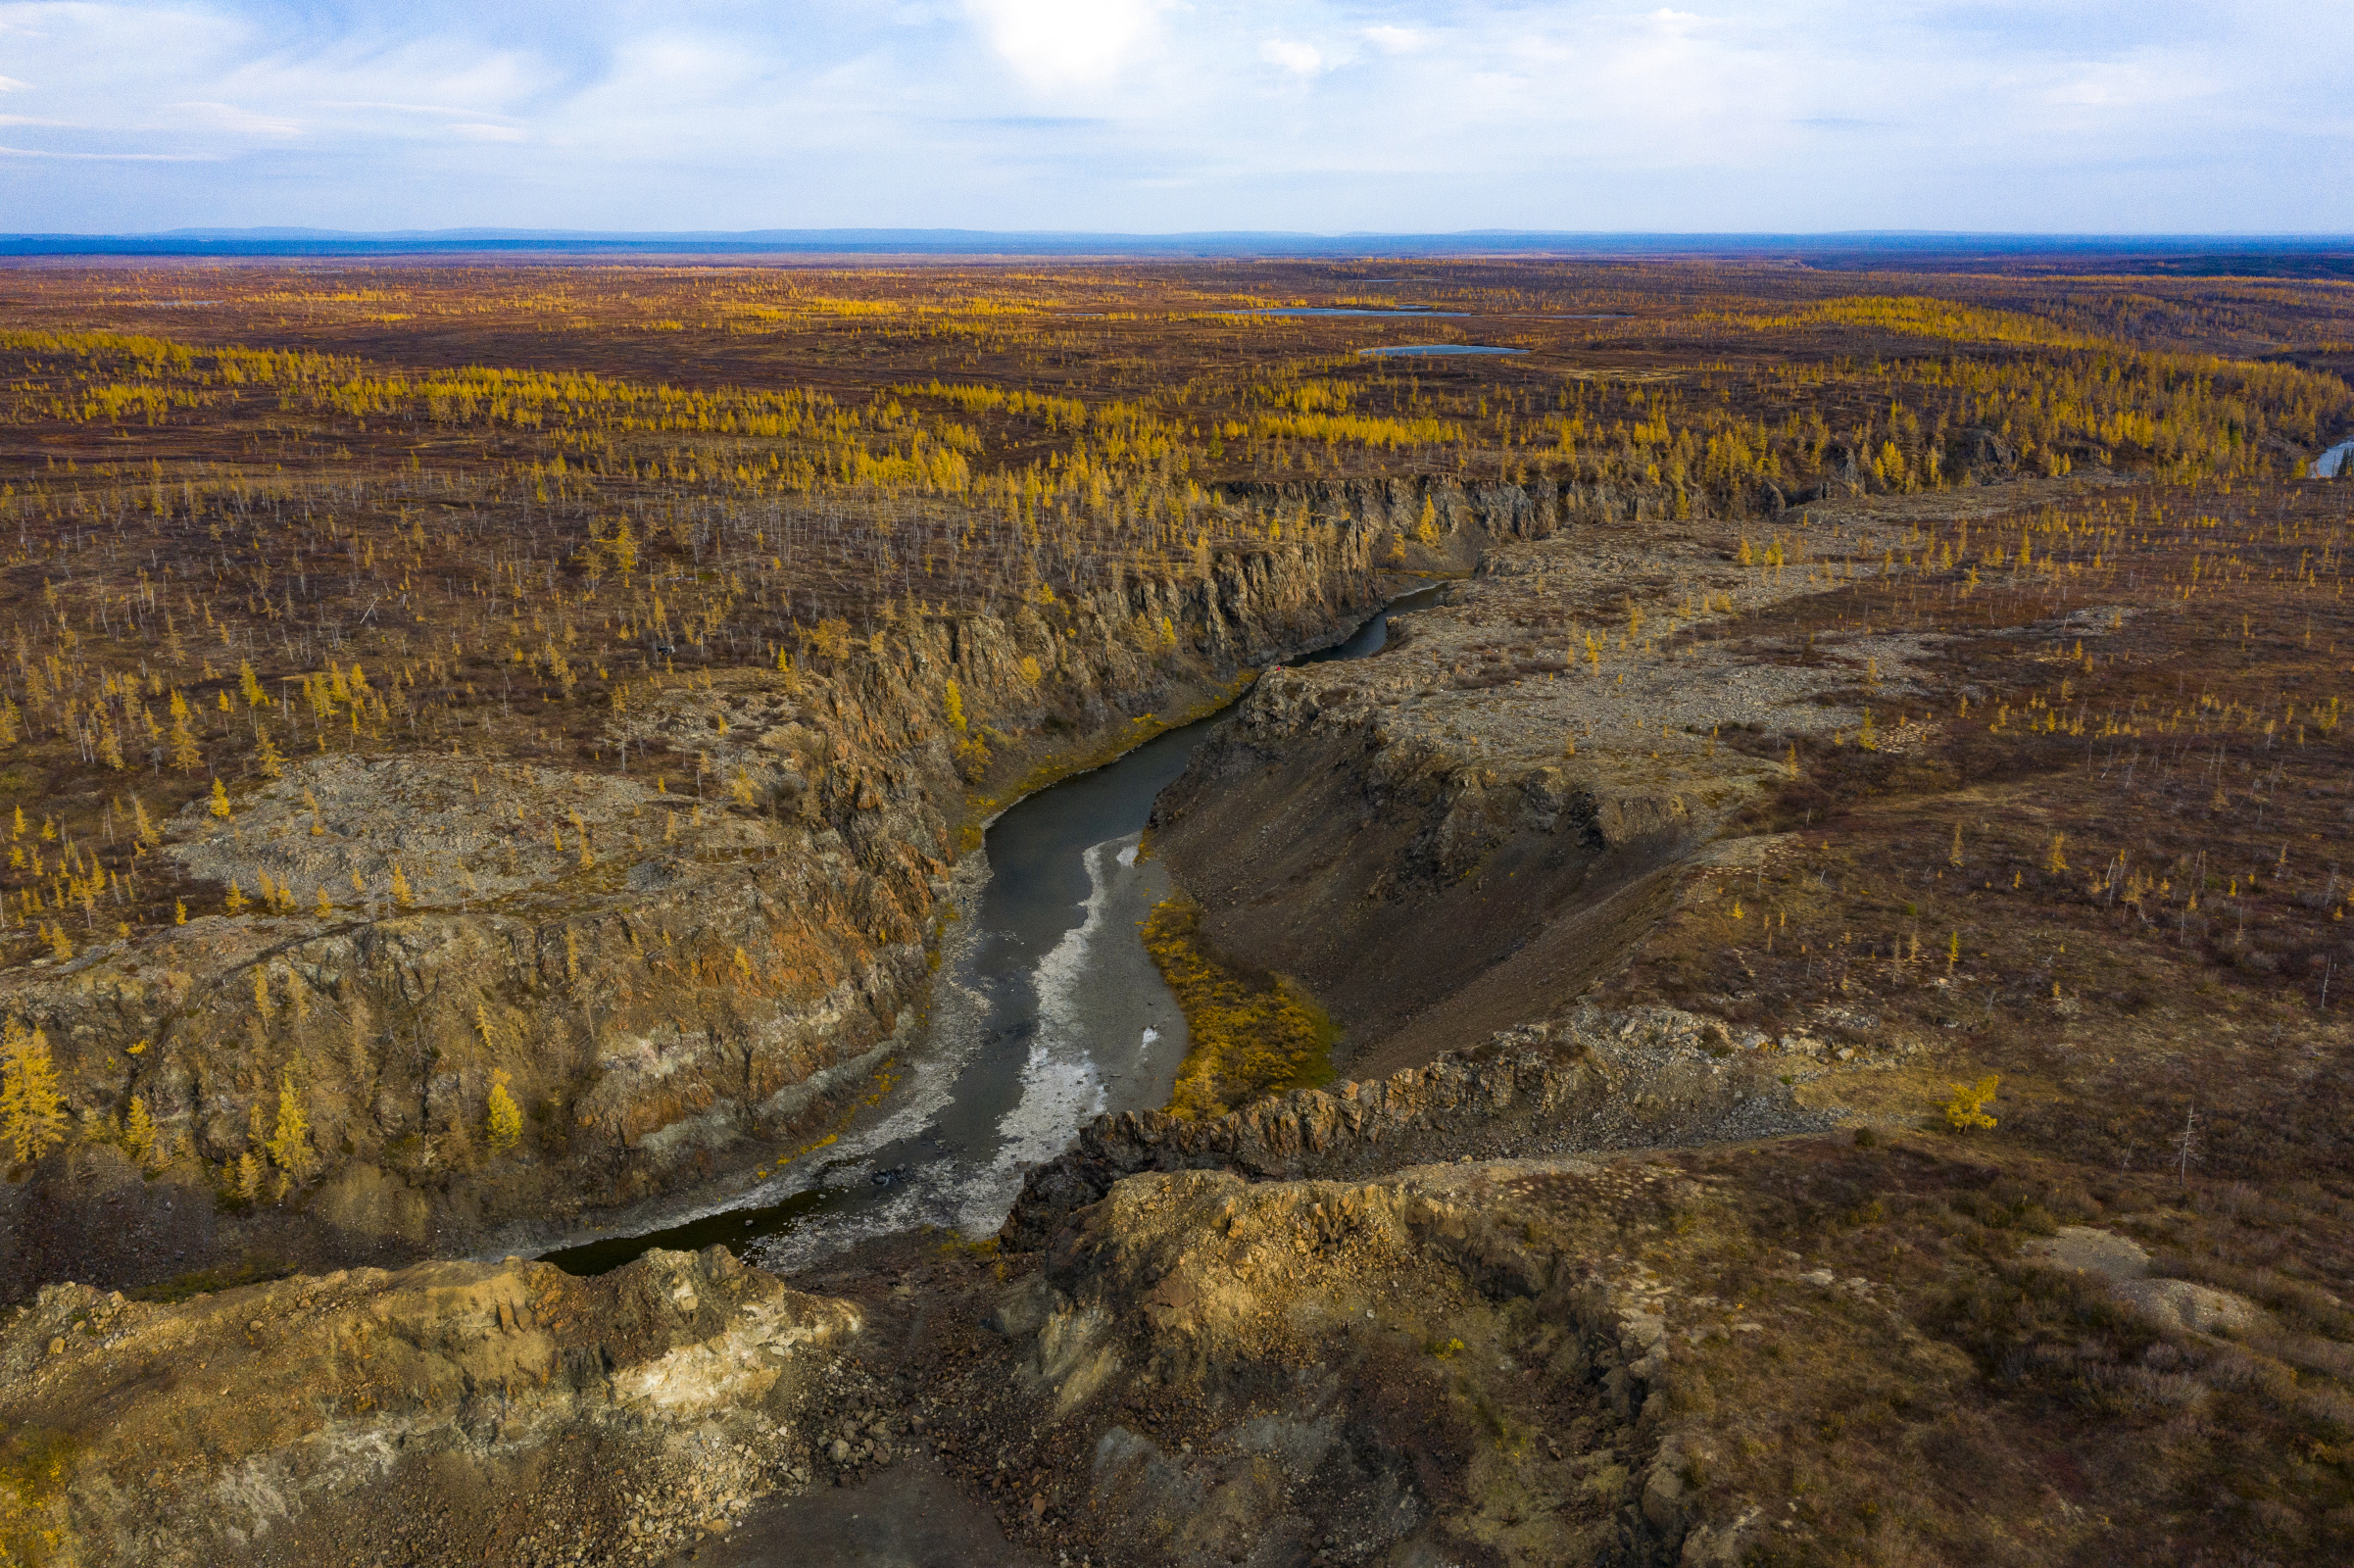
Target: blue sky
x,y
1155,116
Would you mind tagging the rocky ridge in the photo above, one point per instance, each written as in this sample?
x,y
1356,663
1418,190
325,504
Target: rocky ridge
x,y
1292,1320
1241,1365
1595,1081
284,1422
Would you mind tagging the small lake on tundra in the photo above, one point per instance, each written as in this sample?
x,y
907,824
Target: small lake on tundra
x,y
1400,350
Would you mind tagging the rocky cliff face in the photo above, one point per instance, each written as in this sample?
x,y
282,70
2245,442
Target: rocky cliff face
x,y
1463,832
415,1416
663,968
1418,1367
1468,516
1444,1362
1396,874
1594,1081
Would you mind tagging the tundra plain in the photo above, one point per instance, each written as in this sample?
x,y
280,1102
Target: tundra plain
x,y
1796,1015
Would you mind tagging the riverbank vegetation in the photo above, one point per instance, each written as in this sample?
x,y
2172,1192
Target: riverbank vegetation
x,y
1252,1033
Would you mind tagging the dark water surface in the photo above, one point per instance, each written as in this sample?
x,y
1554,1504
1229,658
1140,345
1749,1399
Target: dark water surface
x,y
1400,350
1047,1012
1343,310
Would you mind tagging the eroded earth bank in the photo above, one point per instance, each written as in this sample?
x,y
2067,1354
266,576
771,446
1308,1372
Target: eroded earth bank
x,y
1782,970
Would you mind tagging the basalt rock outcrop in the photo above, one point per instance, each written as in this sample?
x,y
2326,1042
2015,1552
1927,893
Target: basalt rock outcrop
x,y
1466,830
1467,516
1412,1369
1591,1082
448,1413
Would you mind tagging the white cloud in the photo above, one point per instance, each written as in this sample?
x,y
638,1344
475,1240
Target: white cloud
x,y
2126,84
107,158
230,117
1133,113
1302,59
1066,43
411,109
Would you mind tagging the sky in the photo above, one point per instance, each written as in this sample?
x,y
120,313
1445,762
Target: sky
x,y
1166,116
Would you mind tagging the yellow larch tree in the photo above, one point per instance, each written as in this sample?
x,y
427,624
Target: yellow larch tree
x,y
33,1112
503,1119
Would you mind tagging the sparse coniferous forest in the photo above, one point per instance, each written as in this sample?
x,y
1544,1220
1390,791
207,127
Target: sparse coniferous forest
x,y
312,522
491,758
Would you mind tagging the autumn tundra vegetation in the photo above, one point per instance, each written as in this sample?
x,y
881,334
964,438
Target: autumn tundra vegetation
x,y
218,538
482,745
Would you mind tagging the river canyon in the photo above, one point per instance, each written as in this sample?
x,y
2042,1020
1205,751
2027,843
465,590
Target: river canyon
x,y
1354,956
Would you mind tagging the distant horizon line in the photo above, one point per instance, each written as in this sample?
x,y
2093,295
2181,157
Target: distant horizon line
x,y
296,242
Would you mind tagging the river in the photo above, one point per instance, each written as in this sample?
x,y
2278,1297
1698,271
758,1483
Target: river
x,y
1047,1012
